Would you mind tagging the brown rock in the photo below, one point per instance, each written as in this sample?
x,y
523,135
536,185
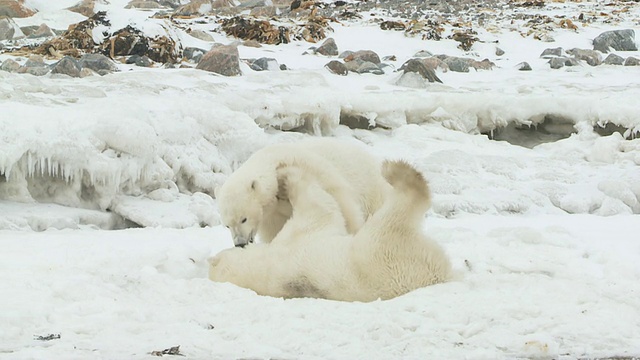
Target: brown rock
x,y
418,66
84,7
15,9
221,59
364,55
142,4
337,67
434,63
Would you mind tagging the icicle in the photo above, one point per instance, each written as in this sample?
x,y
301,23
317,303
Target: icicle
x,y
29,164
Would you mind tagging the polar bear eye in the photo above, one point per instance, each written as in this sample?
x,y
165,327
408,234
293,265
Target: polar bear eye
x,y
244,220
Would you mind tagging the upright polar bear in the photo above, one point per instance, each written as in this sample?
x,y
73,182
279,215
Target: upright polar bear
x,y
252,201
314,256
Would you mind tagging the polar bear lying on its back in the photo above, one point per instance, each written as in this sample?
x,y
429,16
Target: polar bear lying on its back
x,y
252,202
314,256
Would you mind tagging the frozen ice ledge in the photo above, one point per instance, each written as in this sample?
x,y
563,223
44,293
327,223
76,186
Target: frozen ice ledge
x,y
149,147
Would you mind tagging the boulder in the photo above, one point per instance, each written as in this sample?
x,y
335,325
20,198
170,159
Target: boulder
x,y
141,61
221,59
418,66
337,67
97,63
7,28
362,67
9,65
524,66
592,57
364,55
264,64
84,7
551,52
328,48
193,54
620,40
632,61
613,59
42,31
15,9
66,66
201,35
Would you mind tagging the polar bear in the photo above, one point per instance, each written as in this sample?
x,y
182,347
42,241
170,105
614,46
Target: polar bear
x,y
252,202
314,256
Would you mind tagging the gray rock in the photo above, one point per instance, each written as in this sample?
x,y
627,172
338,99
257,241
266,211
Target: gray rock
x,y
66,66
7,29
141,61
14,9
455,63
337,67
621,40
344,54
264,63
35,71
558,62
362,67
42,31
97,63
423,54
35,61
631,61
592,57
613,59
499,52
419,67
193,54
551,52
524,66
328,48
10,66
221,59
202,35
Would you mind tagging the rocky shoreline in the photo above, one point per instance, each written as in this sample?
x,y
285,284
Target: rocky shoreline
x,y
94,46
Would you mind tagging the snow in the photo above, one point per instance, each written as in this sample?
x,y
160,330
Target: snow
x,y
535,200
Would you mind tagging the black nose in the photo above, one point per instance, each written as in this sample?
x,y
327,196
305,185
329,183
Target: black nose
x,y
241,245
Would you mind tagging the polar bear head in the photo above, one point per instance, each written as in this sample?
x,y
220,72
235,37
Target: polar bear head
x,y
242,202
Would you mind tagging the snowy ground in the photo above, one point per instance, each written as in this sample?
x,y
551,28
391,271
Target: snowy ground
x,y
542,225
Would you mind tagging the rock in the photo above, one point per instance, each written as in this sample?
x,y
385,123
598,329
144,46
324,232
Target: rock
x,y
337,67
592,57
141,61
264,11
499,52
558,62
97,63
42,31
344,54
66,66
435,63
393,25
551,52
76,40
613,59
86,72
524,66
7,28
251,43
423,54
173,4
264,63
412,80
9,65
390,58
221,59
35,71
455,63
328,48
193,54
35,61
202,7
485,64
15,9
202,35
84,7
362,67
621,40
417,66
631,61
142,4
364,55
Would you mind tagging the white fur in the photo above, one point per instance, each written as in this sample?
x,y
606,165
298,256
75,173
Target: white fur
x,y
314,256
253,192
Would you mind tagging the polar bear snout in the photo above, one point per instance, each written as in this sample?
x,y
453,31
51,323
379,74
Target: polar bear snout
x,y
240,241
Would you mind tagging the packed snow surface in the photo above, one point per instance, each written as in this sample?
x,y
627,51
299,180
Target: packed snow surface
x,y
535,177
